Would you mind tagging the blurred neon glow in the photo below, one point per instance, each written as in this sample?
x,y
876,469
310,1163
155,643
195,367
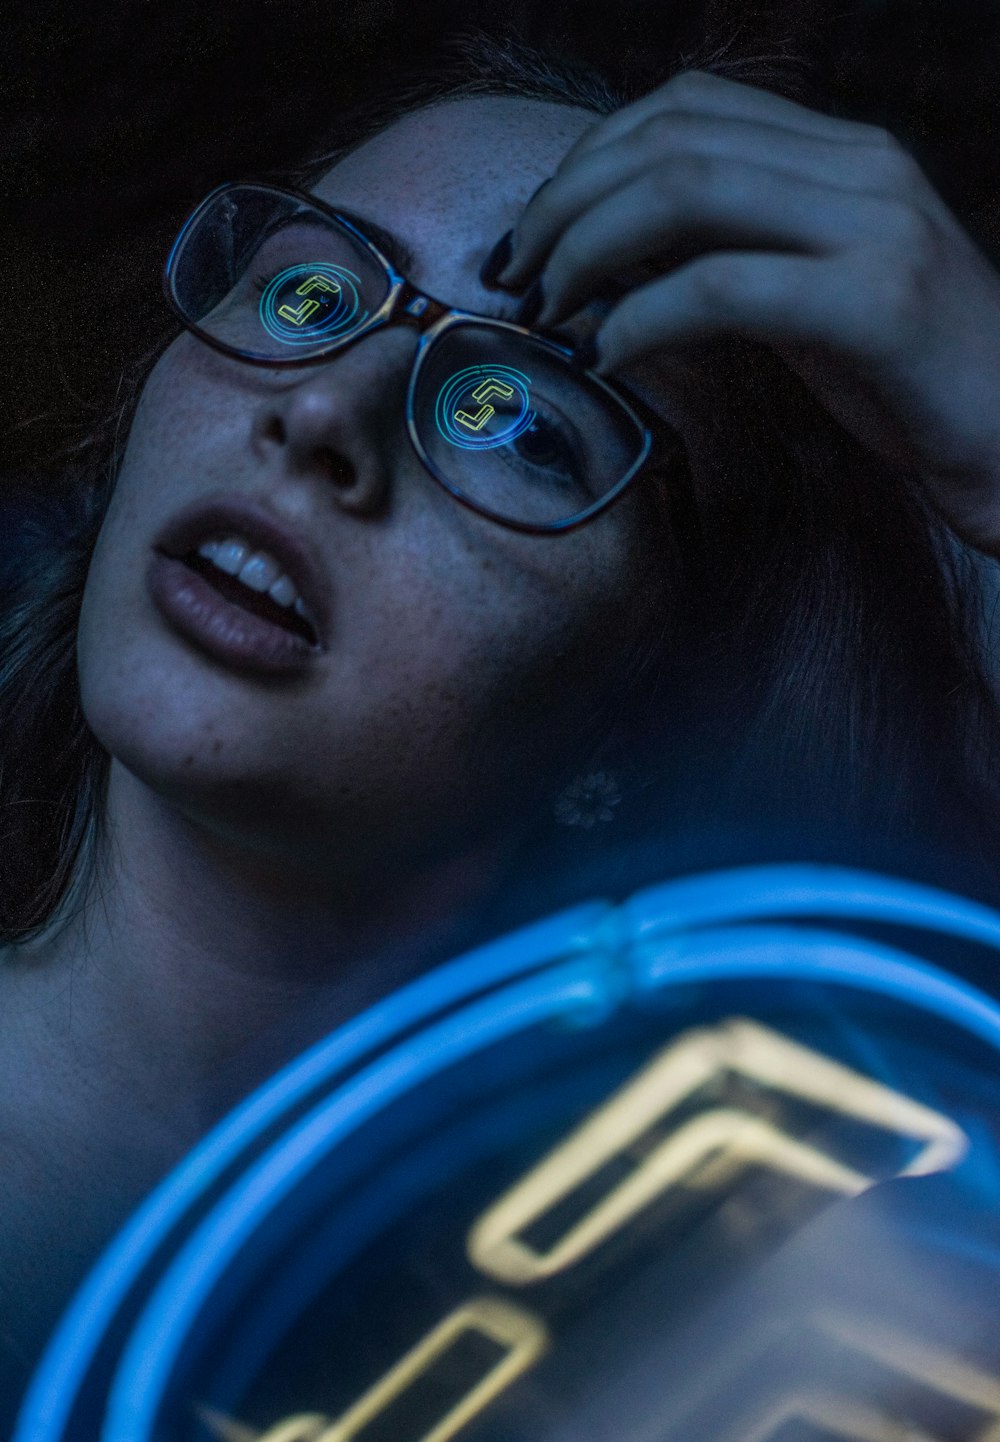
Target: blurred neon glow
x,y
665,936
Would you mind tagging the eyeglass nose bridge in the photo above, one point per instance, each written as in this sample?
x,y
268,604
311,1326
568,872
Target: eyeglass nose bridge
x,y
405,305
414,307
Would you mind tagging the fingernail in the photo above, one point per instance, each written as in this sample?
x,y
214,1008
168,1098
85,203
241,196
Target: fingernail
x,y
585,354
531,304
496,261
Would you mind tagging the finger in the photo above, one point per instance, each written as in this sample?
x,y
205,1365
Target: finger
x,y
765,297
683,207
871,169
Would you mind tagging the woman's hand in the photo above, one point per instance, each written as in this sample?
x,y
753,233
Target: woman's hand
x,y
818,236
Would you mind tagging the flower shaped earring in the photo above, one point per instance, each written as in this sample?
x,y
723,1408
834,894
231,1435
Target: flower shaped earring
x,y
588,799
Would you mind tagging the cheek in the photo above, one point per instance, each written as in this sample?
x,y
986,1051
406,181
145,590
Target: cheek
x,y
520,635
462,647
459,644
184,411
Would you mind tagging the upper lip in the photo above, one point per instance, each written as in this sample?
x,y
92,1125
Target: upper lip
x,y
248,518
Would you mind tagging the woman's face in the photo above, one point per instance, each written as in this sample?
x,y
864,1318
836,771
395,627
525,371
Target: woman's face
x,y
457,658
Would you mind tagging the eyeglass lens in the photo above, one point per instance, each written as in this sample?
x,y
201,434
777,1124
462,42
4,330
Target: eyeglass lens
x,y
514,427
264,273
500,418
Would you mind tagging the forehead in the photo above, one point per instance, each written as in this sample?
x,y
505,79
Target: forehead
x,y
448,180
460,170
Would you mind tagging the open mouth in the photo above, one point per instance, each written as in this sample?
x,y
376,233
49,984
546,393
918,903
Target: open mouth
x,y
258,602
241,585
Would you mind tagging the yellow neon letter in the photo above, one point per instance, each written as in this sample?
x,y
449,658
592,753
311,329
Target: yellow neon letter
x,y
299,314
489,387
476,422
521,1334
305,1427
492,387
726,1139
318,282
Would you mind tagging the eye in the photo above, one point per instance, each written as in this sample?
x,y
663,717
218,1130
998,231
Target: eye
x,y
283,244
542,445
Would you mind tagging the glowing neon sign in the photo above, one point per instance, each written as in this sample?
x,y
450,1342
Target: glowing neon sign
x,y
464,412
729,1136
727,1139
754,923
308,303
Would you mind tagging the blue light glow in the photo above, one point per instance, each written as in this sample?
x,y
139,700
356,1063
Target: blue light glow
x,y
187,1286
188,1283
308,303
591,956
786,890
464,413
60,1374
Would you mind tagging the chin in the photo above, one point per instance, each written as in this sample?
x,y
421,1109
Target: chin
x,y
197,749
164,724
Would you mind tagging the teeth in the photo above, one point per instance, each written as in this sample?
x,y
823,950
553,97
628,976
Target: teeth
x,y
283,591
229,554
256,569
260,571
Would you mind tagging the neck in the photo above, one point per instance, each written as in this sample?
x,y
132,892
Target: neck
x,y
191,969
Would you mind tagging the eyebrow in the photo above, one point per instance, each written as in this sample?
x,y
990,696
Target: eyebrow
x,y
399,254
403,258
396,251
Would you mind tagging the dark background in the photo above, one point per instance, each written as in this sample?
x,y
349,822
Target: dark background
x,y
116,118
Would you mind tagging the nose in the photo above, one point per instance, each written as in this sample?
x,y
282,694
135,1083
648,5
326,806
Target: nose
x,y
341,421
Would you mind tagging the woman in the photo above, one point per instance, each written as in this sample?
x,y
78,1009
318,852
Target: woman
x,y
234,838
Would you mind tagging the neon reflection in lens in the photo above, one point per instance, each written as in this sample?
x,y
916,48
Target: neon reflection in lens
x,y
465,409
309,303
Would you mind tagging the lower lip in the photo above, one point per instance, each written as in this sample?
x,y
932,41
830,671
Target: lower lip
x,y
237,638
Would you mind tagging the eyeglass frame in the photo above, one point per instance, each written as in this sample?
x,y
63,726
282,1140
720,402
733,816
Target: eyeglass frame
x,y
406,304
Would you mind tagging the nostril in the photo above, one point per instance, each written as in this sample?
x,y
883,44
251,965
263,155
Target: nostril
x,y
274,430
338,469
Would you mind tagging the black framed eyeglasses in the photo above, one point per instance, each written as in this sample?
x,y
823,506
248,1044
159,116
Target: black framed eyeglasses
x,y
500,415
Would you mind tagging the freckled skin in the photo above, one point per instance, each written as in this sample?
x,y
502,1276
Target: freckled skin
x,y
460,653
286,850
